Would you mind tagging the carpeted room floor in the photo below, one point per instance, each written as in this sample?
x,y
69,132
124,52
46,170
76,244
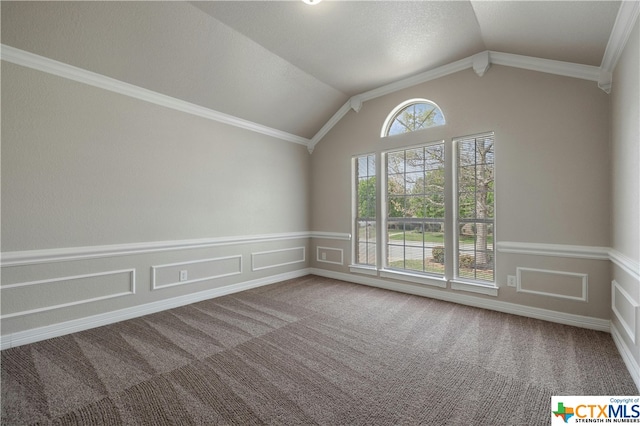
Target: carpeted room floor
x,y
311,351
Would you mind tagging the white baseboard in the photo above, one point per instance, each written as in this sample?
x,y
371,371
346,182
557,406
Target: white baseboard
x,y
56,330
495,305
626,354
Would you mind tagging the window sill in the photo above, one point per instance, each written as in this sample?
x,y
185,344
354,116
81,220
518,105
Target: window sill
x,y
365,270
488,289
414,278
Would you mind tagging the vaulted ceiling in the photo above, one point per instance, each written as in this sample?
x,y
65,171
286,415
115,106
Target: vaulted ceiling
x,y
290,66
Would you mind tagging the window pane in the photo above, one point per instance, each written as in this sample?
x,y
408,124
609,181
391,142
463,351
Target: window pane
x,y
395,184
395,162
475,192
476,252
414,182
396,207
415,223
362,167
420,114
365,199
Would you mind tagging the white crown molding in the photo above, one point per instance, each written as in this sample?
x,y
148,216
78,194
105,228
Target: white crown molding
x,y
356,101
335,118
625,20
566,69
622,27
480,62
31,257
60,69
423,77
605,81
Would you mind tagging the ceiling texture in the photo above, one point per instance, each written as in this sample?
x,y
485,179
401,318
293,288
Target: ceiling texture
x,y
290,66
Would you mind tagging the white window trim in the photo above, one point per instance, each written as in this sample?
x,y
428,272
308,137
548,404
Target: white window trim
x,y
474,287
461,282
362,267
392,115
435,280
383,211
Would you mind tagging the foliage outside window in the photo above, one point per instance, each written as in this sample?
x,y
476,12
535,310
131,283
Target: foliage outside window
x,y
365,221
437,207
475,208
412,115
415,209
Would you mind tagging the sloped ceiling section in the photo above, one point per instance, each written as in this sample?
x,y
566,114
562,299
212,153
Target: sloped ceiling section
x,y
289,66
357,46
175,49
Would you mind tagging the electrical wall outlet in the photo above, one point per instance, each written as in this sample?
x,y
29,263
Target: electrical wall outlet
x,y
511,280
324,255
183,275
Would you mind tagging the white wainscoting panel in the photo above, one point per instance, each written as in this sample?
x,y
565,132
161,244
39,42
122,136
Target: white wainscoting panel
x,y
330,255
18,299
472,300
163,276
274,258
559,284
11,340
625,308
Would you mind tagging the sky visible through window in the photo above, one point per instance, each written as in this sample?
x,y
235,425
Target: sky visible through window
x,y
416,116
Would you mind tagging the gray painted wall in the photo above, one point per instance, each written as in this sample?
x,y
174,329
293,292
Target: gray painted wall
x,y
137,192
85,169
625,199
552,171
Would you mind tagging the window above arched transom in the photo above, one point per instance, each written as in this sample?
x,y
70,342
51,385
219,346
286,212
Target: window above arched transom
x,y
412,115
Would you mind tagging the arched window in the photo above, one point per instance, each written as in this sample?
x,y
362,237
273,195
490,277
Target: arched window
x,y
412,115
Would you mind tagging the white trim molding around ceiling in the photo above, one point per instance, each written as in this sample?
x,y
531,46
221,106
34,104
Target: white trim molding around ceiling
x,y
60,69
480,63
625,20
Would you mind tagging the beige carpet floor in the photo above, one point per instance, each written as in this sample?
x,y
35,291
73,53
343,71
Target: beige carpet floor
x,y
311,351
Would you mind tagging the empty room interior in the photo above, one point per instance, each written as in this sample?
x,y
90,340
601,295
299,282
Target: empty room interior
x,y
317,212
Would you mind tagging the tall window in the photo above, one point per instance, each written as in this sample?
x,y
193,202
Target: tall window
x,y
412,115
365,218
415,209
475,208
436,212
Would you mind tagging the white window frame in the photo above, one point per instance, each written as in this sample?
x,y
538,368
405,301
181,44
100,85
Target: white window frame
x,y
356,267
461,283
382,268
438,280
386,126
